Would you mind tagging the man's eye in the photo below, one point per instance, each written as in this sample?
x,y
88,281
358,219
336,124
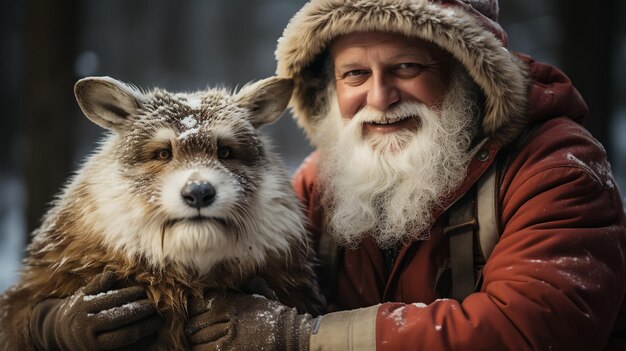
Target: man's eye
x,y
409,69
355,77
355,73
406,65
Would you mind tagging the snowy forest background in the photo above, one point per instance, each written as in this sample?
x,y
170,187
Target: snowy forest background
x,y
189,45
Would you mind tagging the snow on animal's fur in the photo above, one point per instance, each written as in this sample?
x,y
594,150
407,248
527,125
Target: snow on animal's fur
x,y
183,194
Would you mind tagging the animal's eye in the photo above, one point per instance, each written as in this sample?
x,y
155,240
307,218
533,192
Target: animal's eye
x,y
223,152
163,155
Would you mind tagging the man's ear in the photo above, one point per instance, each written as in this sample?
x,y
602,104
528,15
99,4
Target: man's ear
x,y
266,99
107,102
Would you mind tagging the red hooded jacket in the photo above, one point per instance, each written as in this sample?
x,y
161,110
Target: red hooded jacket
x,y
556,278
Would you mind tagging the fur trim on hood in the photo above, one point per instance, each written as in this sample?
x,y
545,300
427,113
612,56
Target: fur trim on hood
x,y
475,40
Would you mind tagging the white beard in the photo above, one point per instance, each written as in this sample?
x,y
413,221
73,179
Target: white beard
x,y
388,185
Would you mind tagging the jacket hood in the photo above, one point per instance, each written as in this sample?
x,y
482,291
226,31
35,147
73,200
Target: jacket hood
x,y
466,29
552,94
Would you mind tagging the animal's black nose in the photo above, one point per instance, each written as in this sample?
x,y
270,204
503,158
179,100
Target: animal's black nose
x,y
198,194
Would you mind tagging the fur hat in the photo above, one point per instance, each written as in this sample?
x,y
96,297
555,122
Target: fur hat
x,y
465,28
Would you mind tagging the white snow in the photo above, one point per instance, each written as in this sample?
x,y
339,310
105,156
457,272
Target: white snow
x,y
576,269
577,279
268,318
194,103
598,169
119,310
265,316
189,122
184,135
97,296
576,159
398,316
568,261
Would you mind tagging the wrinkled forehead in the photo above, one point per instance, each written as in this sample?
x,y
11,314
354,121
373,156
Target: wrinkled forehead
x,y
352,47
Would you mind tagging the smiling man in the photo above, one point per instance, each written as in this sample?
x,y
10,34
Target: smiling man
x,y
455,199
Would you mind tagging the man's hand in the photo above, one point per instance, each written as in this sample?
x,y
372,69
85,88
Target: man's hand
x,y
227,320
96,317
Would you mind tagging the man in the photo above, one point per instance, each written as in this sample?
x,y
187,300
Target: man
x,y
411,106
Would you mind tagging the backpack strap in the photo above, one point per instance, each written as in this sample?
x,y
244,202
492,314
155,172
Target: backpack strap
x,y
487,209
460,232
329,254
473,216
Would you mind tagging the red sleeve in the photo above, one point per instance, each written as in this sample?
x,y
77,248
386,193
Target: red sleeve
x,y
306,187
303,179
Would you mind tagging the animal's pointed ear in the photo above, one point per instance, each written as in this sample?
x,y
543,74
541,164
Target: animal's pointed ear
x,y
266,99
107,102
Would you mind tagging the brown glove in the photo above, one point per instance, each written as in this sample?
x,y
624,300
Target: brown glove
x,y
228,320
96,317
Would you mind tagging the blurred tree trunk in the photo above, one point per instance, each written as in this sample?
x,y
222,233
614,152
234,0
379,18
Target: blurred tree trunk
x,y
49,106
9,61
587,48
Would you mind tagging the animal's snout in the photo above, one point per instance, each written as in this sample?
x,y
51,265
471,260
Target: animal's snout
x,y
198,194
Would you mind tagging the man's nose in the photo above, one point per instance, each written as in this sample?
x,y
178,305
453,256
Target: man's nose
x,y
382,92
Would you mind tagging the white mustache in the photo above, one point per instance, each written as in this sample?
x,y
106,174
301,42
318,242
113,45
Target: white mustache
x,y
404,110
